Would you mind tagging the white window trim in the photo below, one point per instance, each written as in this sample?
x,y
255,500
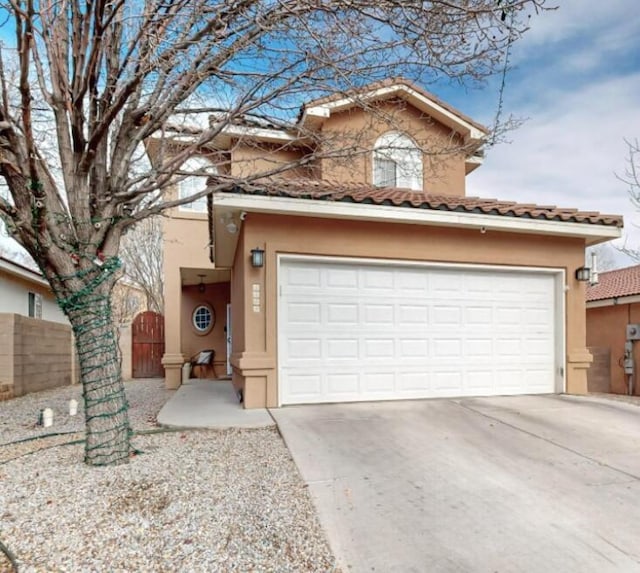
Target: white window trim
x,y
196,329
193,184
407,156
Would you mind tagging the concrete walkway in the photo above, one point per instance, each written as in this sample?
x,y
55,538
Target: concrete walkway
x,y
527,484
211,404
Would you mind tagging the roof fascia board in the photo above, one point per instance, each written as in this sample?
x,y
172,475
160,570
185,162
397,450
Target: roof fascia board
x,y
270,135
26,274
383,213
614,301
433,108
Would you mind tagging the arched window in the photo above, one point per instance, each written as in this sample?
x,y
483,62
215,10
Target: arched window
x,y
397,162
195,184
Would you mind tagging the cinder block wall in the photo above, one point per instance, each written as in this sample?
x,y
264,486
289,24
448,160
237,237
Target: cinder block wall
x,y
35,355
6,355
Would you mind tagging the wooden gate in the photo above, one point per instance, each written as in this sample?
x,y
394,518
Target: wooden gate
x,y
147,345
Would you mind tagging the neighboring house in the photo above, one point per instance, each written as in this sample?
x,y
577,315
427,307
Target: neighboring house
x,y
36,343
374,277
127,300
24,291
612,305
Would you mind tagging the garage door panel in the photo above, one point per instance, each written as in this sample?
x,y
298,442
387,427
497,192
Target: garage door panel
x,y
417,348
412,283
446,315
303,277
339,313
409,314
342,278
446,382
478,315
378,314
359,332
448,348
342,348
305,386
414,382
304,348
377,281
343,384
304,313
379,383
479,381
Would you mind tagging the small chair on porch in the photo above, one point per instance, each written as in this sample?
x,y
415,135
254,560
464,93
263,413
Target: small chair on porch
x,y
202,364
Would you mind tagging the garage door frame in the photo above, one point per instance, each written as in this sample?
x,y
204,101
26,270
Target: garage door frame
x,y
559,293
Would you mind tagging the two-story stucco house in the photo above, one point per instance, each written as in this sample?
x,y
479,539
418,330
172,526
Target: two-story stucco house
x,y
374,277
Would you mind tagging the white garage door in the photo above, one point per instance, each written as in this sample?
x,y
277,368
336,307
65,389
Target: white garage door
x,y
355,332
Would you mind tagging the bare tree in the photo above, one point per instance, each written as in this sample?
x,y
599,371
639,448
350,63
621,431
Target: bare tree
x,y
110,74
141,255
631,178
608,256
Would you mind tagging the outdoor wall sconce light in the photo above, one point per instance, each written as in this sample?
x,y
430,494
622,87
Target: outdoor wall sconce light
x,y
589,274
583,274
257,257
202,287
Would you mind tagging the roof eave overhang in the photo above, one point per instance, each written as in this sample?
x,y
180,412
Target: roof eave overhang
x,y
614,301
235,203
315,115
25,274
472,163
235,132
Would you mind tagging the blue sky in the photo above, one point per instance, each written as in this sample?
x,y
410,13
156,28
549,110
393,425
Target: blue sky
x,y
576,79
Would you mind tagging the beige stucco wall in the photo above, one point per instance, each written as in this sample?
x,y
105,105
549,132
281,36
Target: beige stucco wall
x,y
251,159
607,328
185,246
124,344
217,296
254,341
443,167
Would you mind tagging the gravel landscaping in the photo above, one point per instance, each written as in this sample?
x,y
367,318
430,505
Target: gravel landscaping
x,y
207,501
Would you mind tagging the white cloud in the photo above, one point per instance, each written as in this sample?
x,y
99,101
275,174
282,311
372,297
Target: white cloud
x,y
615,22
572,146
569,151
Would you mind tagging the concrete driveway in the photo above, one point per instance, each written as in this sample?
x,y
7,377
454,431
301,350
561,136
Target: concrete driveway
x,y
533,483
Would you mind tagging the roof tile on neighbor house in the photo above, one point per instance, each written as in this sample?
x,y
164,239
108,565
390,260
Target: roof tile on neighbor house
x,y
614,284
392,82
323,190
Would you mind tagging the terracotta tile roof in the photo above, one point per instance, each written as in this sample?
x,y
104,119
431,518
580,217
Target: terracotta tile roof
x,y
613,284
322,190
390,82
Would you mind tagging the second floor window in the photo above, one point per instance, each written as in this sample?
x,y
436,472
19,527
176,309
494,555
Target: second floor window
x,y
397,162
195,184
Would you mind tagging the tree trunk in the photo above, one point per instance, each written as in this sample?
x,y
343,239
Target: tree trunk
x,y
107,421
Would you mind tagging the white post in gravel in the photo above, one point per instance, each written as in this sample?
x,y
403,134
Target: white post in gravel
x,y
73,407
47,418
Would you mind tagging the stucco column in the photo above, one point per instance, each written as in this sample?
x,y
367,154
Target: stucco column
x,y
578,362
173,358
